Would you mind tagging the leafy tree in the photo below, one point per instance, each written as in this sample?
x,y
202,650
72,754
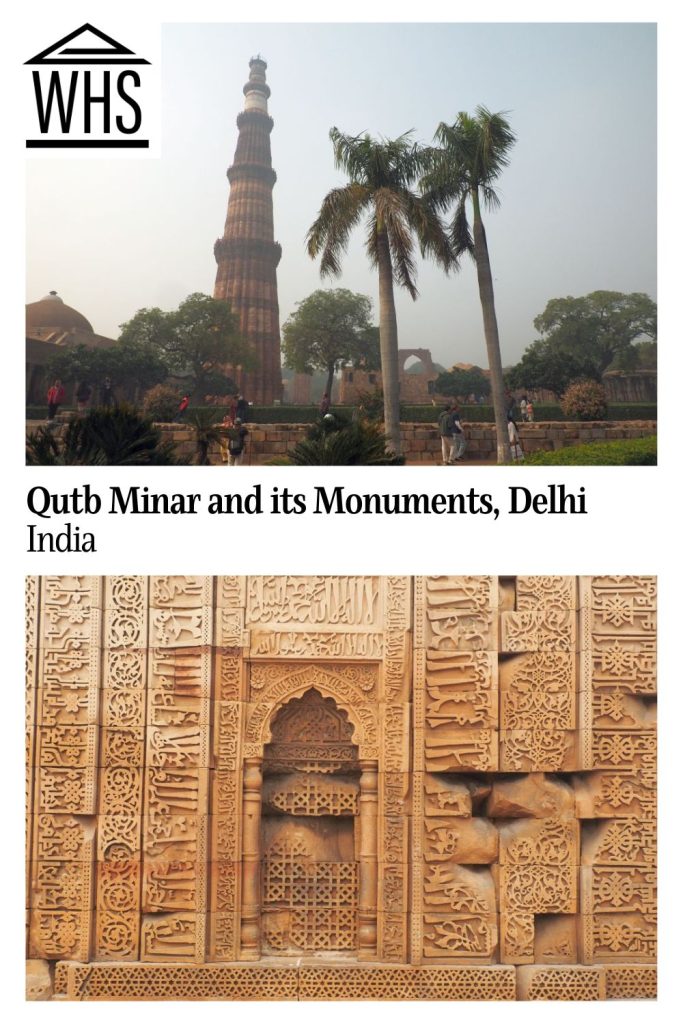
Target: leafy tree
x,y
380,187
130,365
474,151
370,405
195,341
328,330
368,356
642,355
103,437
544,367
599,327
462,382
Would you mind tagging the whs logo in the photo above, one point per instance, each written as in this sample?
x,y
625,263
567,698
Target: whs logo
x,y
88,92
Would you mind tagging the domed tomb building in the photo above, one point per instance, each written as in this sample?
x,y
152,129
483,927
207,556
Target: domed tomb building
x,y
51,323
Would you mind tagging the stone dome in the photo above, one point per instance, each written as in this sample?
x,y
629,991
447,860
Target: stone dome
x,y
51,314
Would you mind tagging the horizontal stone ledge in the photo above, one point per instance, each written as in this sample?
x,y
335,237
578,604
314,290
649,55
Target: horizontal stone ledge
x,y
306,978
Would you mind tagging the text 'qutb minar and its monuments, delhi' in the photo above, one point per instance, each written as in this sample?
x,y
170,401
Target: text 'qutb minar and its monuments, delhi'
x,y
334,787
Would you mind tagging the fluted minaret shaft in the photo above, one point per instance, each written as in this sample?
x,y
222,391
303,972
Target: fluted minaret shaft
x,y
247,255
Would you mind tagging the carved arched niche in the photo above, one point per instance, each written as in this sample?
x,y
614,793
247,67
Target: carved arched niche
x,y
310,836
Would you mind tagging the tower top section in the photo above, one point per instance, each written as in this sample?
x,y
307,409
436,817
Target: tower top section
x,y
256,92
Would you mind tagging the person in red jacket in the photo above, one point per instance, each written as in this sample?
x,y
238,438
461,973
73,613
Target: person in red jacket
x,y
55,397
184,402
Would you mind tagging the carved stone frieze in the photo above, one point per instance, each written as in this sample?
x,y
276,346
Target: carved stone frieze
x,y
397,787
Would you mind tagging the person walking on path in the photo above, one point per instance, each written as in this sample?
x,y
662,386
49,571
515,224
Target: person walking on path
x,y
516,449
182,408
55,397
83,393
237,436
107,393
529,411
241,409
446,432
459,442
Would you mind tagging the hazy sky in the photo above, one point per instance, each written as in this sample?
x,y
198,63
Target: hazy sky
x,y
578,206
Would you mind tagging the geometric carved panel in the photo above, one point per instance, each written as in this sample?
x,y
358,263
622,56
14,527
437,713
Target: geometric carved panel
x,y
440,787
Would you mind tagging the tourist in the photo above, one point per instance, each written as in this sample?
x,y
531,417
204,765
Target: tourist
x,y
453,441
459,442
182,408
226,423
529,412
324,406
446,432
516,449
237,437
241,409
522,408
83,393
55,397
107,393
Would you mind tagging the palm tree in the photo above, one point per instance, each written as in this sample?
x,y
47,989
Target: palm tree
x,y
344,444
381,174
204,423
474,152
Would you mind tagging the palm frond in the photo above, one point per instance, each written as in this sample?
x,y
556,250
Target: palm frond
x,y
477,146
328,236
430,231
461,235
490,196
392,216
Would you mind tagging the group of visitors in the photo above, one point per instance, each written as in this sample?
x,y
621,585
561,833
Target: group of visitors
x,y
56,395
234,434
526,409
454,443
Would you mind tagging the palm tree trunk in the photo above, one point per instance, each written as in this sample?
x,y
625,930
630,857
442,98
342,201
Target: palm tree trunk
x,y
330,381
388,344
481,257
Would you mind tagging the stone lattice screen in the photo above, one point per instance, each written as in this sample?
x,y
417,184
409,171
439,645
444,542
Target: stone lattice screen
x,y
341,787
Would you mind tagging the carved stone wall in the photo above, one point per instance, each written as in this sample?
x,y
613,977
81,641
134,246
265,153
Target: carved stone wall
x,y
439,787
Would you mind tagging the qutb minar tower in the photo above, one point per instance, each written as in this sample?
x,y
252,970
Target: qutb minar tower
x,y
247,255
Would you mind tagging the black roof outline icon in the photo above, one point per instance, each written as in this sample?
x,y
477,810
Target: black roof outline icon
x,y
113,53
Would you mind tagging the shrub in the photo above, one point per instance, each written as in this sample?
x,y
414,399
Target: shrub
x,y
160,403
103,437
641,451
430,413
584,400
338,443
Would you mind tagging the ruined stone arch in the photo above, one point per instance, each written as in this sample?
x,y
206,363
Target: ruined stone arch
x,y
422,354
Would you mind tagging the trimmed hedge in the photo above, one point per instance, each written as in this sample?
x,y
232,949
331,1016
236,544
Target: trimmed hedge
x,y
430,413
640,451
409,413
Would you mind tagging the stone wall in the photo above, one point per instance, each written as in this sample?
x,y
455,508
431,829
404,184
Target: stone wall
x,y
421,441
439,787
